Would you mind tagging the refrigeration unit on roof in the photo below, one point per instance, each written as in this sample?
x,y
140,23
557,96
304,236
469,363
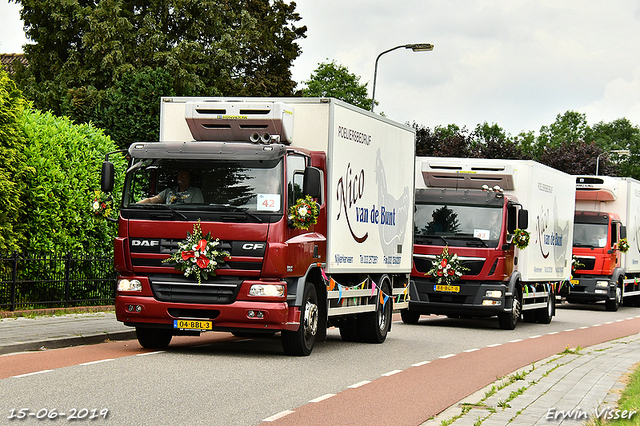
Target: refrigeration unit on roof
x,y
450,175
596,188
258,122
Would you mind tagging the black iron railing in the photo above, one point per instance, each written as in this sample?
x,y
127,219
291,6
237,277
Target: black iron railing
x,y
34,281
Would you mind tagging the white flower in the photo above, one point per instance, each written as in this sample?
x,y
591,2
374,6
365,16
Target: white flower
x,y
96,205
302,211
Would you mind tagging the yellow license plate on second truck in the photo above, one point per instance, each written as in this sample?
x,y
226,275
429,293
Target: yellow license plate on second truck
x,y
192,325
447,288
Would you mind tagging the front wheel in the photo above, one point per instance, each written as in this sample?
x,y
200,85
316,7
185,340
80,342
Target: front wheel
x,y
409,317
153,338
544,316
374,326
509,320
613,305
301,341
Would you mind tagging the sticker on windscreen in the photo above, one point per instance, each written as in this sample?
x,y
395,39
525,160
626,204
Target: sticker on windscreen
x,y
269,202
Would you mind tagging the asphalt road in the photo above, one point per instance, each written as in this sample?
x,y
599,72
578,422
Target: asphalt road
x,y
221,380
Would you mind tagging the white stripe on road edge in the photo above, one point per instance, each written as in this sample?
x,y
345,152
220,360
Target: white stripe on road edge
x,y
472,350
150,353
278,416
535,337
421,363
515,341
620,320
569,329
609,322
582,328
323,397
447,356
357,385
630,318
596,325
31,374
96,362
391,373
494,345
553,332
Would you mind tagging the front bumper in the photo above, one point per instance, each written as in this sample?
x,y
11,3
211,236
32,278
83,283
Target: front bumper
x,y
469,300
277,316
585,290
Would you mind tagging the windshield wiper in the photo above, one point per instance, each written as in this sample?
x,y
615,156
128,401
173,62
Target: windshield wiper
x,y
160,207
472,240
425,238
235,209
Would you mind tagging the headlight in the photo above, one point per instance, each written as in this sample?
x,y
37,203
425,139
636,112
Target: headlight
x,y
268,290
129,285
602,283
493,293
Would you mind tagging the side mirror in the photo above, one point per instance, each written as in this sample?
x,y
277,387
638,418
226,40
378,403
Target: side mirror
x,y
106,181
523,219
312,185
623,231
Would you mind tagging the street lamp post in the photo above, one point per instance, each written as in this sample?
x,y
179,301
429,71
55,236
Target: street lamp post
x,y
418,47
617,151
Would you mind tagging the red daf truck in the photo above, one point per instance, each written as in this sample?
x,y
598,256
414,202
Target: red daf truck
x,y
607,211
472,210
239,171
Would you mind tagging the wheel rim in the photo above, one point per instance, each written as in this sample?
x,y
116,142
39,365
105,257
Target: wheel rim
x,y
618,295
515,312
310,320
382,319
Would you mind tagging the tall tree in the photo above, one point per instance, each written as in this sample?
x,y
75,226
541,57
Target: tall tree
x,y
491,141
83,48
333,80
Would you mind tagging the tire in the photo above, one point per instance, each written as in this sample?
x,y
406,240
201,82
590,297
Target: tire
x,y
153,338
509,320
409,317
301,341
544,316
528,316
374,326
349,331
613,305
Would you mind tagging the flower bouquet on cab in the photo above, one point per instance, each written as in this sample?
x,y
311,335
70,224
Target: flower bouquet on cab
x,y
304,213
198,255
446,268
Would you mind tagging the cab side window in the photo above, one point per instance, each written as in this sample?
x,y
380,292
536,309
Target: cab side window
x,y
295,177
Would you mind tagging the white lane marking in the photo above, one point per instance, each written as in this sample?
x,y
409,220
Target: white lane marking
x,y
553,332
323,397
421,363
278,416
96,362
357,385
515,341
391,373
472,350
494,345
569,329
31,374
151,353
535,337
447,356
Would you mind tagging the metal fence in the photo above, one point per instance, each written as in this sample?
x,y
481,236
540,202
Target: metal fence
x,y
35,281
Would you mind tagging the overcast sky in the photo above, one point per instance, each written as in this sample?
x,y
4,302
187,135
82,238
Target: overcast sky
x,y
517,63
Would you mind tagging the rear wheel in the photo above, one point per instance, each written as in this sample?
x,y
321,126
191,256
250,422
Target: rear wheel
x,y
409,317
374,326
349,330
301,341
153,338
544,316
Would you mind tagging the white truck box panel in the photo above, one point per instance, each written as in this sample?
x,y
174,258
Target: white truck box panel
x,y
549,196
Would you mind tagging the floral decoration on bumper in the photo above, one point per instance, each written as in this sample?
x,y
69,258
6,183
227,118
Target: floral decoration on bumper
x,y
446,268
102,204
304,213
623,245
521,238
198,255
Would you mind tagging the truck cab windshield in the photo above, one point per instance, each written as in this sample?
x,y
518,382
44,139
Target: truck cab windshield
x,y
209,185
590,235
455,225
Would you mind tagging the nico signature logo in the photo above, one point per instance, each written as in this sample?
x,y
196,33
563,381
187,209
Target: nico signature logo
x,y
541,225
350,190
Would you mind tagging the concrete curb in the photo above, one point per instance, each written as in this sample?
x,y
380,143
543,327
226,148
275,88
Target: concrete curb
x,y
64,342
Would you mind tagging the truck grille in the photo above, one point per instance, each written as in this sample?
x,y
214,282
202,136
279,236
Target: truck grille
x,y
588,262
215,290
424,265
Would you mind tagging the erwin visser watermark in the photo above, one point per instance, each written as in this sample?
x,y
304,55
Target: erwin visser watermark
x,y
605,413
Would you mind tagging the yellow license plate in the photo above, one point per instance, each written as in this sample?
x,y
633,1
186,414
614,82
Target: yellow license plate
x,y
192,325
575,282
447,288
